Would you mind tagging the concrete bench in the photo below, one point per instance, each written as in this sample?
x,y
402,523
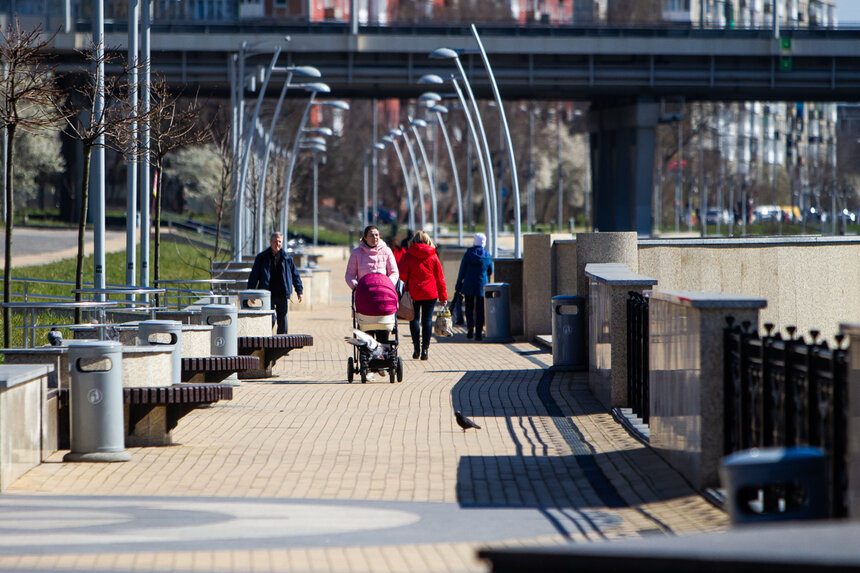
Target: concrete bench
x,y
28,419
269,349
217,368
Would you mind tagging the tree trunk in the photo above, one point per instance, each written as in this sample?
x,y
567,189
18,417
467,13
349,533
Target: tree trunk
x,y
219,215
82,228
10,222
157,223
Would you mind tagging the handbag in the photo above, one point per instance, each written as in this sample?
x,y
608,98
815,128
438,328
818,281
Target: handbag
x,y
444,325
406,310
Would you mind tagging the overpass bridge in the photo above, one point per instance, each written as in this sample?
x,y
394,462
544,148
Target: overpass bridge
x,y
624,72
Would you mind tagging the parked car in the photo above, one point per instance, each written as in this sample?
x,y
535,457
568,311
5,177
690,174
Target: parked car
x,y
717,216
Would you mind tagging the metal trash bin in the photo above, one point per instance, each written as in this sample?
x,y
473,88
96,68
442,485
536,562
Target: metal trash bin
x,y
775,484
497,309
568,333
224,320
255,300
96,405
164,333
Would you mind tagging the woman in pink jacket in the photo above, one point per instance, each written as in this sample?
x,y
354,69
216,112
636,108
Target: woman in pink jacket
x,y
371,256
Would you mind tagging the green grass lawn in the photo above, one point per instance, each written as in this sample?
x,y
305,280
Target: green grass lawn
x,y
178,261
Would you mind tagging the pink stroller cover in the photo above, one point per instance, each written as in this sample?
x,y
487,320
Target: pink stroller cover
x,y
375,295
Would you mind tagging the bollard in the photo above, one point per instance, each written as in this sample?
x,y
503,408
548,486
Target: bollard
x,y
255,300
568,333
164,332
96,404
223,318
497,309
775,484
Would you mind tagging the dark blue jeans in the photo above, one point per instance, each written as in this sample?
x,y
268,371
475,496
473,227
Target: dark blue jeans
x,y
423,317
279,304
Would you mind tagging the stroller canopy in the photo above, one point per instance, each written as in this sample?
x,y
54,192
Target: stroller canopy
x,y
375,295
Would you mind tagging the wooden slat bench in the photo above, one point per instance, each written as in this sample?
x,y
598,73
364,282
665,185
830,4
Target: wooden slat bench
x,y
269,349
145,427
216,368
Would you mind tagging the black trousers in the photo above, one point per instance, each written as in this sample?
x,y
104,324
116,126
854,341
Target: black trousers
x,y
421,328
280,307
475,313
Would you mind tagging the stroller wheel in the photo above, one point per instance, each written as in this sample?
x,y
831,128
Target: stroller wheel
x,y
363,373
392,375
399,369
350,369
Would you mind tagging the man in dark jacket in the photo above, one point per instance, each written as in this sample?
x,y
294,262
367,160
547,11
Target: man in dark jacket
x,y
275,271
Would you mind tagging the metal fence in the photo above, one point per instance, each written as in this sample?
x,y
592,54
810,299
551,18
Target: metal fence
x,y
637,355
787,392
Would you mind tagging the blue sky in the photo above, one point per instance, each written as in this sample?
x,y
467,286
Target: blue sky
x,y
848,11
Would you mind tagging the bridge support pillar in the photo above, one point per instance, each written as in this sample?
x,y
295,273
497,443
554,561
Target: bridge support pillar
x,y
622,164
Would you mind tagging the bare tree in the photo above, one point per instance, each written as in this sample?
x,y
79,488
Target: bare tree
x,y
27,95
173,125
227,168
111,126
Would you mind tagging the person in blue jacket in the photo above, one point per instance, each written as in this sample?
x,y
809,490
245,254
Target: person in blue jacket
x,y
275,271
475,270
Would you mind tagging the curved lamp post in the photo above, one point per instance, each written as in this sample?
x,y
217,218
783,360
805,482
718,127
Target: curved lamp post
x,y
390,140
314,88
431,180
449,54
317,145
511,158
367,151
305,71
238,231
400,133
439,109
488,204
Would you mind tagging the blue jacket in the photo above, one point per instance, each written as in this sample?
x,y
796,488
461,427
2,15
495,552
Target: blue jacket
x,y
260,277
475,270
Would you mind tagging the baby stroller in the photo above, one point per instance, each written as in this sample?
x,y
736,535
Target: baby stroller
x,y
375,337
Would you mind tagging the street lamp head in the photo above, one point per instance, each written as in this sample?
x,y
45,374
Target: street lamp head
x,y
395,132
438,108
305,71
431,79
336,103
443,54
317,87
430,97
387,139
314,140
313,147
379,146
320,130
418,122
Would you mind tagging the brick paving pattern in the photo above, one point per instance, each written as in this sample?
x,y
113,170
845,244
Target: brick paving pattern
x,y
546,447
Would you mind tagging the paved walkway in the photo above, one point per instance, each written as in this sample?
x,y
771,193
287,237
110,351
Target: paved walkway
x,y
308,473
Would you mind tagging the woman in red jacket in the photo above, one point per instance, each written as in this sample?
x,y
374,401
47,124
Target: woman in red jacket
x,y
421,270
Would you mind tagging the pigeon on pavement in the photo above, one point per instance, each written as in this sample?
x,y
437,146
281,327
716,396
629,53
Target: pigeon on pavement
x,y
465,422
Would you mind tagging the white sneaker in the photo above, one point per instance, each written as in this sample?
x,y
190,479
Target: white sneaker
x,y
371,376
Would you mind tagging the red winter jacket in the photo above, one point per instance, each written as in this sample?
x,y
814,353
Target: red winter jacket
x,y
421,270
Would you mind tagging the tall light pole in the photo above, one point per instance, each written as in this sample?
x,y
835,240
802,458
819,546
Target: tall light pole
x,y
511,158
410,212
238,233
431,180
366,164
131,163
440,109
98,153
482,145
338,104
400,133
318,150
145,170
433,79
305,71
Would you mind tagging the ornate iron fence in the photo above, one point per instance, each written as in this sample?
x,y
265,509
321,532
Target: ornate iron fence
x,y
637,354
787,392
